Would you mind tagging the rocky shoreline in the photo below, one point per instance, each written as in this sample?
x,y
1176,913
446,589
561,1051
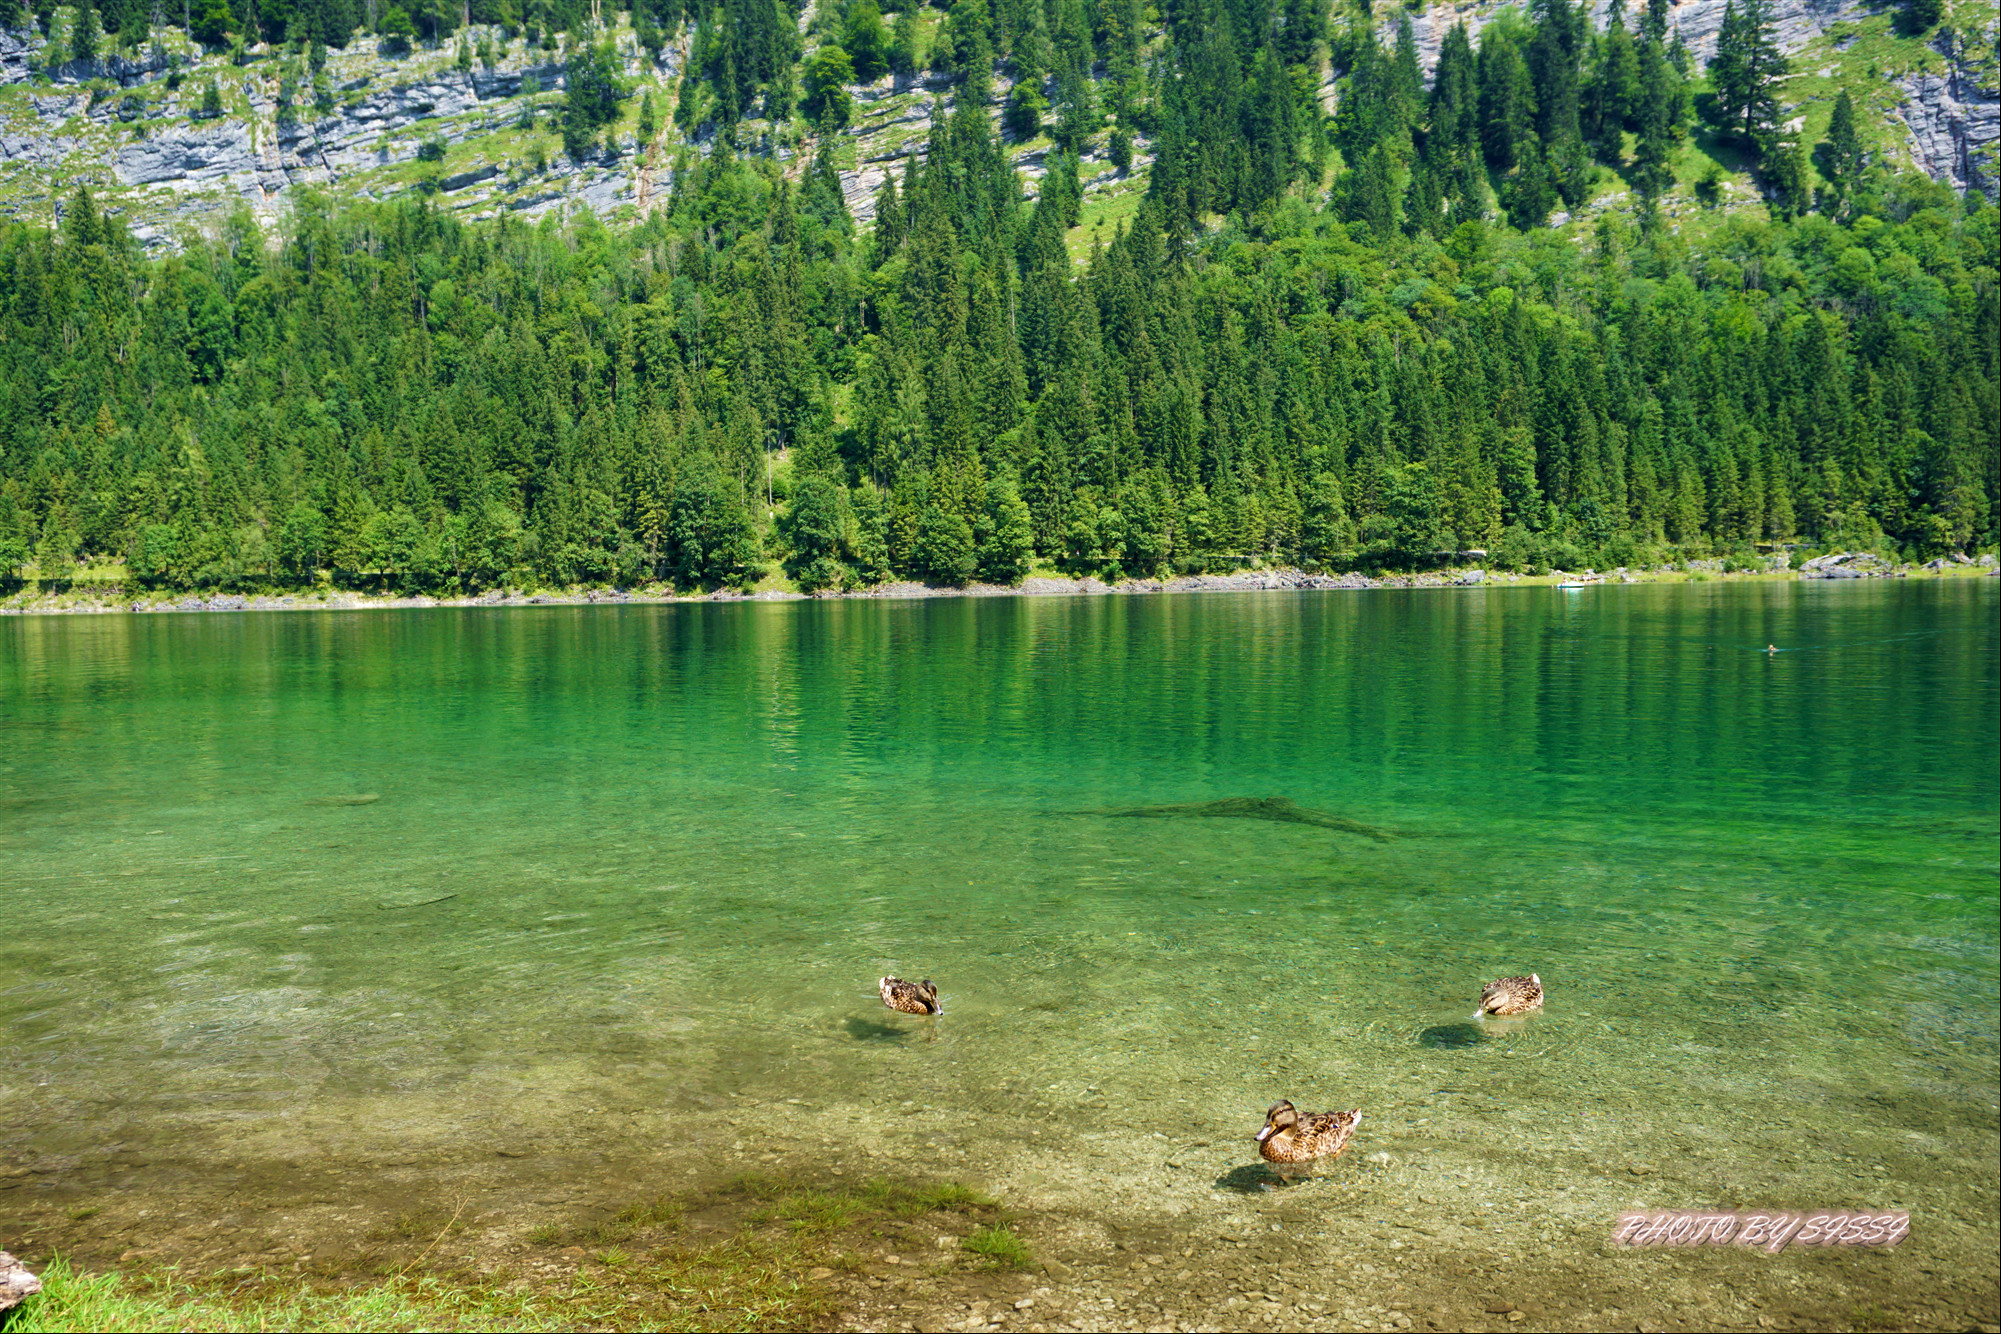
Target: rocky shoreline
x,y
1842,565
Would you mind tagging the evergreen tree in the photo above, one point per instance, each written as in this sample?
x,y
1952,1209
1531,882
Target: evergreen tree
x,y
1531,192
86,33
1654,24
1453,117
944,551
871,550
814,527
1746,69
1839,155
591,96
906,54
1007,539
866,43
1507,103
1921,16
1660,101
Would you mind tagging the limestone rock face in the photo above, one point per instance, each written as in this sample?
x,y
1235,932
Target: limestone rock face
x,y
1954,125
217,151
1794,22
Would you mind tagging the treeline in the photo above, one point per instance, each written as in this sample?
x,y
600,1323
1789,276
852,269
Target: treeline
x,y
384,395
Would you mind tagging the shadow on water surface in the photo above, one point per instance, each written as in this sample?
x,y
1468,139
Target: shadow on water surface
x,y
1452,1036
1249,1178
875,1030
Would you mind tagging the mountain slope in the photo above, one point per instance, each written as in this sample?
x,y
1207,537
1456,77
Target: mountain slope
x,y
473,117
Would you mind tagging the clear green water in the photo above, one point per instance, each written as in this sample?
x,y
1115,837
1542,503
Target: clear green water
x,y
681,843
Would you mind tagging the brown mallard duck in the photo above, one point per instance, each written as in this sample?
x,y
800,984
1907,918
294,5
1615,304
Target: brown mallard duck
x,y
1510,995
1290,1140
911,997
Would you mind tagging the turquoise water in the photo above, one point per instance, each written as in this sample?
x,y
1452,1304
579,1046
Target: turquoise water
x,y
297,886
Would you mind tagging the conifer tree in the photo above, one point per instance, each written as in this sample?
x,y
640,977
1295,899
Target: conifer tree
x,y
1659,123
86,33
1746,69
1007,539
1507,103
1840,155
1654,24
866,43
1453,118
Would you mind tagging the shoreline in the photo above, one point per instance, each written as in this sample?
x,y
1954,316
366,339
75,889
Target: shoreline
x,y
1848,565
846,1235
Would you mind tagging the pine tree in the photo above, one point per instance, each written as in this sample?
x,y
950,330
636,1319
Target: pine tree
x,y
871,549
944,551
1785,167
1612,98
86,33
1746,69
1406,77
1840,155
1654,24
1659,128
1007,545
906,52
1507,103
1531,193
1326,533
1453,118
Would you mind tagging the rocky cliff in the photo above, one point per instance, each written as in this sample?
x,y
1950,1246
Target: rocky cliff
x,y
1943,122
131,125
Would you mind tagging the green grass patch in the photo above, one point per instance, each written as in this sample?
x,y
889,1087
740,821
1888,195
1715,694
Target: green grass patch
x,y
75,1301
1103,213
816,1209
999,1246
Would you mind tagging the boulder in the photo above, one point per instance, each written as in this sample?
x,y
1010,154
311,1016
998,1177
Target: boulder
x,y
1846,565
16,1283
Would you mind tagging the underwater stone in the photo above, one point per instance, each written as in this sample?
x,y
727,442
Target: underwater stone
x,y
1254,808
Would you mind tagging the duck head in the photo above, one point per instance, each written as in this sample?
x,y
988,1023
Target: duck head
x,y
1282,1116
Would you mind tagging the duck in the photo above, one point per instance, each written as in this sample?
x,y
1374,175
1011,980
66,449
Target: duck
x,y
910,997
1290,1139
1510,995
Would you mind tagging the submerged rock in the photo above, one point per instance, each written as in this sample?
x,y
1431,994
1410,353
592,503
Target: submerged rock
x,y
419,899
1254,808
16,1283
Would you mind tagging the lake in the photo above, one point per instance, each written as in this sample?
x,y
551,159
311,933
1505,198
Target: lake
x,y
398,895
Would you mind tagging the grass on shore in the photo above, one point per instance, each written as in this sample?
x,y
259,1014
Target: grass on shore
x,y
640,1271
71,1300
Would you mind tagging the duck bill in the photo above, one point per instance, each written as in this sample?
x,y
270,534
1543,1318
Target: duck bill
x,y
1263,1135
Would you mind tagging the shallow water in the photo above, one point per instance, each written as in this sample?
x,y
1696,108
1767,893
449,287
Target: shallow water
x,y
283,883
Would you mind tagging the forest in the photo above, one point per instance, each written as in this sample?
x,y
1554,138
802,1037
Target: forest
x,y
1346,341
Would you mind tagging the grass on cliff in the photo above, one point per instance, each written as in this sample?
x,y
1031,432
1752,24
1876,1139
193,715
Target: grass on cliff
x,y
775,1267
